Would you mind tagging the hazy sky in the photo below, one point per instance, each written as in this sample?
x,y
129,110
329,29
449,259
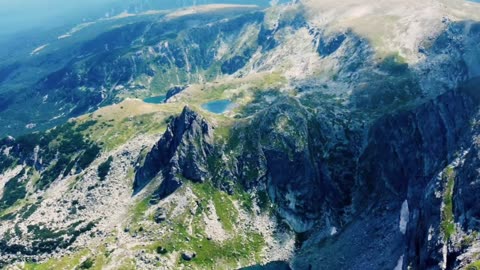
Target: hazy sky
x,y
22,15
18,15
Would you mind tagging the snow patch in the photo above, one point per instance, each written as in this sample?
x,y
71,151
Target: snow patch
x,y
207,8
222,50
274,2
75,30
30,125
6,151
37,50
64,36
399,264
404,217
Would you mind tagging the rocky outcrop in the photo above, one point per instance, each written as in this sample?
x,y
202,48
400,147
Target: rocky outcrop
x,y
302,158
182,153
188,255
174,91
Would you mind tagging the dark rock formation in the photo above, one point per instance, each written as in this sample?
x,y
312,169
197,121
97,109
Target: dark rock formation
x,y
160,215
304,160
181,153
407,149
328,46
188,255
404,156
237,62
405,153
174,91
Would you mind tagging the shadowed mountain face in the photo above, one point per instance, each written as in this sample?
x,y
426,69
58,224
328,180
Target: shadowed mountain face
x,y
345,146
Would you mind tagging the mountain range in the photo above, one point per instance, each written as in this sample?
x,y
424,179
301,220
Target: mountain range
x,y
301,135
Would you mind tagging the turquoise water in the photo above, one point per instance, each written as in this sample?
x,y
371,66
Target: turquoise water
x,y
269,266
218,106
155,100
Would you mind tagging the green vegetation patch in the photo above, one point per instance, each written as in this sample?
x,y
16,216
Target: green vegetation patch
x,y
6,162
62,149
28,210
114,132
474,266
138,213
448,222
13,191
66,262
188,234
45,240
104,168
52,173
90,154
223,203
87,264
211,254
242,249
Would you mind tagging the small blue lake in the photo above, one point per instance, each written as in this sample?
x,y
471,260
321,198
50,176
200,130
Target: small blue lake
x,y
155,100
276,265
218,106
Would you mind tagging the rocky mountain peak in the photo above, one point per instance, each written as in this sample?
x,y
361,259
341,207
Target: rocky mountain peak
x,y
180,154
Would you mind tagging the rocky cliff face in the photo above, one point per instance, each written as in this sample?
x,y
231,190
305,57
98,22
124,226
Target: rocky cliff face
x,y
407,167
401,193
415,144
303,158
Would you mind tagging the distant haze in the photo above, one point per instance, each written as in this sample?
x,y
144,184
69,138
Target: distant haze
x,y
27,15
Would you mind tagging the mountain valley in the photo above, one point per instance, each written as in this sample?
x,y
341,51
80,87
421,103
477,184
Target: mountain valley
x,y
304,135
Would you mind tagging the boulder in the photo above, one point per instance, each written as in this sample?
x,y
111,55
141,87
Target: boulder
x,y
160,215
188,255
